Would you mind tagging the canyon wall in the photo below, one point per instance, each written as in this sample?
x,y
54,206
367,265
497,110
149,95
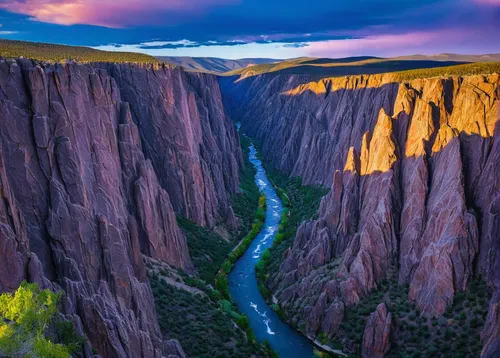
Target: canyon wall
x,y
95,162
414,171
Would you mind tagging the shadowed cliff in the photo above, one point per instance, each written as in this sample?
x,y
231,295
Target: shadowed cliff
x,y
95,160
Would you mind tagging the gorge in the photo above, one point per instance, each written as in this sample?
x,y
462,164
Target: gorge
x,y
100,163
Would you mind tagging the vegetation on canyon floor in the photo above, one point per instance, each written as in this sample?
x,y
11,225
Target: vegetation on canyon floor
x,y
208,248
216,327
454,334
203,326
221,282
55,53
31,327
301,204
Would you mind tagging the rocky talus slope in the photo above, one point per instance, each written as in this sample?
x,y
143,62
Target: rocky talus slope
x,y
95,162
414,171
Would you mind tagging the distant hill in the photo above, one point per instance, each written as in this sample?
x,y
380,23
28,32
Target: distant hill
x,y
324,67
327,67
495,57
51,52
213,64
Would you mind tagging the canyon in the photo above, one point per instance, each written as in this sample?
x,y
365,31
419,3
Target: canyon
x,y
98,160
413,168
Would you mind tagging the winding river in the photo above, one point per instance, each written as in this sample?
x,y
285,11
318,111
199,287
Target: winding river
x,y
243,287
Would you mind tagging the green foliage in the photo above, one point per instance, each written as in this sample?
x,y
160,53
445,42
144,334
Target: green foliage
x,y
203,326
214,257
226,266
221,284
207,248
459,327
459,70
27,318
55,53
301,203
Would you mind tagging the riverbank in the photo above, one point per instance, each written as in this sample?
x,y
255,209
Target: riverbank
x,y
189,308
243,286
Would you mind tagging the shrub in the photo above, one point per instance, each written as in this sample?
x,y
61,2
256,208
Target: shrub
x,y
26,318
222,284
226,266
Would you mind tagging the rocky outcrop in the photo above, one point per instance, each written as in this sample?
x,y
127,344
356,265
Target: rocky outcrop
x,y
376,338
90,178
491,332
191,143
414,174
173,349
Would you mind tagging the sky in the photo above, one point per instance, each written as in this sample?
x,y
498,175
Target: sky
x,y
260,28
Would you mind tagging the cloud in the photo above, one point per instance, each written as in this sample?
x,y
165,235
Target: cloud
x,y
296,45
5,32
458,40
107,13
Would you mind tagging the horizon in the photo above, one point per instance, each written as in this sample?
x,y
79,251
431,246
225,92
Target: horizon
x,y
242,29
270,58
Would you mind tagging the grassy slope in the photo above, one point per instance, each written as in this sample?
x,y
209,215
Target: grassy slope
x,y
402,68
51,52
340,67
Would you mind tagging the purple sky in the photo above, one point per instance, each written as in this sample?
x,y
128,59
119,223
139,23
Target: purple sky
x,y
260,28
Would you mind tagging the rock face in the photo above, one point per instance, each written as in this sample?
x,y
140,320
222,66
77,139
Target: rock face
x,y
376,338
172,349
190,141
90,178
491,332
414,171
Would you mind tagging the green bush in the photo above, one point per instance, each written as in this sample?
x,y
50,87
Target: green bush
x,y
226,266
27,318
222,285
301,203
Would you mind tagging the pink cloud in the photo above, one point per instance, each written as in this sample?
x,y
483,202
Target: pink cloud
x,y
388,44
109,13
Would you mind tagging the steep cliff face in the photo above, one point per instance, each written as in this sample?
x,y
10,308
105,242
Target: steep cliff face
x,y
415,185
83,175
190,141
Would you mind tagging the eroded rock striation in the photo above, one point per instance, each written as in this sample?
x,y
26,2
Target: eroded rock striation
x,y
95,161
376,337
414,172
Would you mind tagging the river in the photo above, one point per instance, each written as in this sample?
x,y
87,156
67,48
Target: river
x,y
243,287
